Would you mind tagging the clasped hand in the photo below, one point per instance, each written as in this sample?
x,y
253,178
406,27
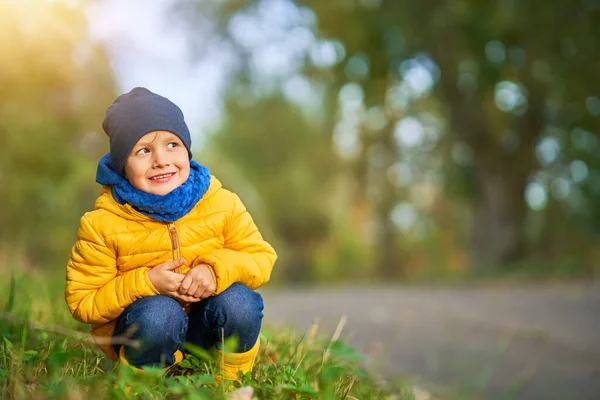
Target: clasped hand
x,y
192,287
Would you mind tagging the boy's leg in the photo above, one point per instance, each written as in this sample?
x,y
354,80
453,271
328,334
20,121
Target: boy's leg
x,y
236,312
159,324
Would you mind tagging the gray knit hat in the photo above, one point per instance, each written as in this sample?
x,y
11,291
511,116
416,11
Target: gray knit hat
x,y
134,114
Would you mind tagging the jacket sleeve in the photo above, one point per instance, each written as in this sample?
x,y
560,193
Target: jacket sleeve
x,y
245,258
95,292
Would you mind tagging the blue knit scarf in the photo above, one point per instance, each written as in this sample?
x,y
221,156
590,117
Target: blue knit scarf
x,y
169,207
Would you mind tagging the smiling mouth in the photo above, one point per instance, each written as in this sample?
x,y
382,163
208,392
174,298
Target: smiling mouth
x,y
162,177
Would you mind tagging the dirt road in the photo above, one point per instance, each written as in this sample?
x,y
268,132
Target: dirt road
x,y
494,342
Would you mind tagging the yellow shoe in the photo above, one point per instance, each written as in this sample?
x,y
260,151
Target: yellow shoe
x,y
231,364
178,357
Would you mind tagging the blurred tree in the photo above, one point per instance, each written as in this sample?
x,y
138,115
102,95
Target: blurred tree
x,y
281,147
508,77
270,142
490,101
54,85
283,139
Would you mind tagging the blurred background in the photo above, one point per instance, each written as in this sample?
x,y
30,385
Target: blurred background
x,y
372,140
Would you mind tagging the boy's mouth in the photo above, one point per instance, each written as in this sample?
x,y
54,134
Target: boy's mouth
x,y
162,177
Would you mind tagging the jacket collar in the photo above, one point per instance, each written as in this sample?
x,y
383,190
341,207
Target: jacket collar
x,y
107,202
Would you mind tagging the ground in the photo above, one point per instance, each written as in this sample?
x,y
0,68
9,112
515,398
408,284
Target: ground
x,y
525,341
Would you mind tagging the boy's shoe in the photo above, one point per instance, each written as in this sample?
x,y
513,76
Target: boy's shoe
x,y
231,364
178,357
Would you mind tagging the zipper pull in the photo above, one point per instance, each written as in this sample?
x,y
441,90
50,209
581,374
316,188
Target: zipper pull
x,y
174,238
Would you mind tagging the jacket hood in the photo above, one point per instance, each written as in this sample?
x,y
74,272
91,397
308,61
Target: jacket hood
x,y
107,202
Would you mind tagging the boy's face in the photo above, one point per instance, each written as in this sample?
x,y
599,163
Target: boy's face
x,y
158,163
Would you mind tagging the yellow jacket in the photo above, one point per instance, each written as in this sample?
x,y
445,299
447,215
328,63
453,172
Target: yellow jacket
x,y
117,246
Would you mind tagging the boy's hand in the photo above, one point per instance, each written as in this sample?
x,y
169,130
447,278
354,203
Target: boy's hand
x,y
198,283
168,282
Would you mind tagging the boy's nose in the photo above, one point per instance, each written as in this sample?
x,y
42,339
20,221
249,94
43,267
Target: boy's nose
x,y
160,159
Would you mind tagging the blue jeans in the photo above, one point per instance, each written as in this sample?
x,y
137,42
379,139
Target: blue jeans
x,y
161,325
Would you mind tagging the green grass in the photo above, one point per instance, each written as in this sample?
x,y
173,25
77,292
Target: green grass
x,y
46,354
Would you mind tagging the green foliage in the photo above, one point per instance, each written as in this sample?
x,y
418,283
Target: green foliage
x,y
503,86
269,143
45,353
53,93
332,214
490,152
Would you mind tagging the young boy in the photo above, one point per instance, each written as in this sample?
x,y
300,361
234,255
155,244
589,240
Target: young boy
x,y
167,256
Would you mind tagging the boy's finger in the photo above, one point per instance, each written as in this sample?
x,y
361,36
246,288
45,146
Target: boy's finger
x,y
200,293
188,299
185,284
171,265
192,289
191,299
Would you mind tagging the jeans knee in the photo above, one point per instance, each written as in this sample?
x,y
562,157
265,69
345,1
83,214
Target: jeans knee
x,y
242,306
159,321
235,310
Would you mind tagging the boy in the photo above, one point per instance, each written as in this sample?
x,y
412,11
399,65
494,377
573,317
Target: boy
x,y
167,255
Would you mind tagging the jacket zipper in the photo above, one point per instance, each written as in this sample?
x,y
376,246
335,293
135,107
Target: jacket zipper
x,y
176,254
175,244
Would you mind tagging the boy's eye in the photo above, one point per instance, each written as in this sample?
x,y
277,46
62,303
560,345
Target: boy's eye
x,y
172,145
143,151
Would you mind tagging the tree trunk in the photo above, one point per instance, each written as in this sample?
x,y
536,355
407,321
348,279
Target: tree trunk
x,y
501,179
299,262
499,214
388,262
501,174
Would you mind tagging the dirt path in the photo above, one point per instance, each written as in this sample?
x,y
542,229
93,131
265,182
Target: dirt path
x,y
495,342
